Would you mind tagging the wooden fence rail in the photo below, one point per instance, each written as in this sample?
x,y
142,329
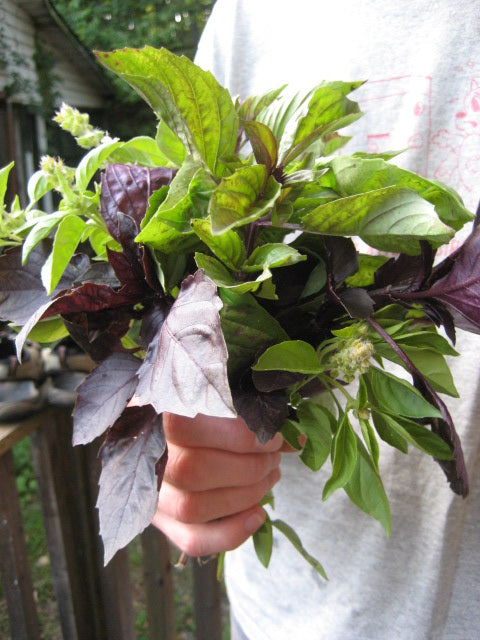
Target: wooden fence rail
x,y
94,602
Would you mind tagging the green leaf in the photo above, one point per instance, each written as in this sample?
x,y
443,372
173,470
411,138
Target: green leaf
x,y
170,145
228,246
390,219
328,110
316,281
38,185
220,275
367,265
365,489
69,234
387,433
4,173
371,441
344,457
272,255
243,197
93,161
188,99
252,106
426,340
388,393
291,431
141,150
263,144
263,542
37,233
315,422
247,328
418,435
49,330
431,364
292,536
291,355
359,175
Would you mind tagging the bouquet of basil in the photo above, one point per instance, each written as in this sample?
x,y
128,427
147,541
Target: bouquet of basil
x,y
212,270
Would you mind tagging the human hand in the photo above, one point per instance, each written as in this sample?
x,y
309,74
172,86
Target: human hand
x,y
217,473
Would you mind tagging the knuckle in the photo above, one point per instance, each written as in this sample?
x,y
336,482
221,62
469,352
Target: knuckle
x,y
186,508
181,468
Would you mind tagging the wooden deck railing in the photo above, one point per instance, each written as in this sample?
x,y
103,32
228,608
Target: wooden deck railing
x,y
94,602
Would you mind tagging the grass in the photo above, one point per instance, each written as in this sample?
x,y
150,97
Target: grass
x,y
42,578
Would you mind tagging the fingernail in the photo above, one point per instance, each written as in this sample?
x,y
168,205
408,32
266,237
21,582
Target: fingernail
x,y
272,445
254,521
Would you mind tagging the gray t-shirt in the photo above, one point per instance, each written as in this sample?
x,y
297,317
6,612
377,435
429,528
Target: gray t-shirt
x,y
422,62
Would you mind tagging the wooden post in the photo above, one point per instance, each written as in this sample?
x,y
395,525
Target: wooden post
x,y
157,575
14,567
206,593
65,513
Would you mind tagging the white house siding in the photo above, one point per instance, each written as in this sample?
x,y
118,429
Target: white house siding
x,y
78,84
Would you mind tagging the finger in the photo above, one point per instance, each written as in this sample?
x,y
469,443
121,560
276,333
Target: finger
x,y
229,434
195,469
212,537
197,507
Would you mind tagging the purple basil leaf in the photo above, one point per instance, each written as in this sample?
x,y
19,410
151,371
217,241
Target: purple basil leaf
x,y
127,188
152,322
99,334
103,395
342,260
357,303
21,289
402,272
264,413
100,273
128,494
185,369
89,297
459,288
267,381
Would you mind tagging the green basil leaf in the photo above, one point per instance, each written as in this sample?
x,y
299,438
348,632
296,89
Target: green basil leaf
x,y
272,255
4,173
388,393
290,355
188,99
387,433
247,328
371,442
431,364
69,234
38,232
391,219
291,431
365,489
93,161
141,150
358,175
243,197
292,536
263,542
48,331
170,145
228,246
316,281
220,275
344,457
419,435
367,265
263,144
38,185
314,422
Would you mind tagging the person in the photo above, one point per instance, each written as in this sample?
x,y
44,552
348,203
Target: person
x,y
421,60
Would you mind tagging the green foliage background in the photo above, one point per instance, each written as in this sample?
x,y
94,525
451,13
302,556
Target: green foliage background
x,y
112,24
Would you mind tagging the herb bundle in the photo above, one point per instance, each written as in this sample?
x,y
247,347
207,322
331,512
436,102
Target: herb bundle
x,y
179,274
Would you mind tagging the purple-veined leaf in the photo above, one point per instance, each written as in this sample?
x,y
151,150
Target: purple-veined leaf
x,y
264,413
21,287
185,369
459,288
128,488
103,395
89,297
152,322
127,188
99,333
